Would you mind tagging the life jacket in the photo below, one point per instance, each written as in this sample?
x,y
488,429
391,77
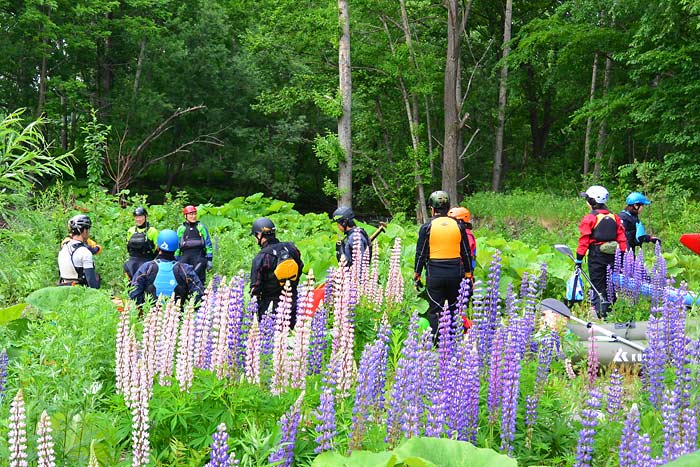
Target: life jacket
x,y
191,238
605,228
80,271
445,238
166,278
140,246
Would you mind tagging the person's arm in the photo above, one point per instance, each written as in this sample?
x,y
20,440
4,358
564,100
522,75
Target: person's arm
x,y
209,248
585,229
152,235
621,235
296,254
83,258
91,278
139,284
194,285
422,249
465,252
256,274
180,232
348,247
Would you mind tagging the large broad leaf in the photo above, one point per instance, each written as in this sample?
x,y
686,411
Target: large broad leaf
x,y
420,452
12,313
689,460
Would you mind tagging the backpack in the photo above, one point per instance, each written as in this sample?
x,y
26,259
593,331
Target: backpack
x,y
605,228
287,268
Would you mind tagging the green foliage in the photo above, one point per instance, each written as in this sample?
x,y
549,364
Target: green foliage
x,y
420,452
25,159
95,147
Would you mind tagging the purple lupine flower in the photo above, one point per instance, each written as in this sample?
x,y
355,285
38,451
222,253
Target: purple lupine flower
x,y
202,327
492,297
629,442
17,434
469,389
219,456
4,361
318,343
614,393
654,360
236,321
436,416
658,280
403,413
465,294
689,430
480,325
446,341
643,457
288,423
511,387
670,416
44,444
545,353
511,303
184,366
495,392
326,421
267,336
589,422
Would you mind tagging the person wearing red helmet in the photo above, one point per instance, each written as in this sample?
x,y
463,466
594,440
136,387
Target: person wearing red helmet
x,y
195,247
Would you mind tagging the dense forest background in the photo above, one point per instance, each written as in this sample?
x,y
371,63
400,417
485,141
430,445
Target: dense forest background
x,y
230,97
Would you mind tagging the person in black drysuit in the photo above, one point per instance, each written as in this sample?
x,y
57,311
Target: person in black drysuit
x,y
165,276
634,229
195,244
443,249
345,219
141,244
268,273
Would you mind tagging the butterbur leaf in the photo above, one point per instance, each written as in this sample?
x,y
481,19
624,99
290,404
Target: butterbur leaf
x,y
689,460
12,313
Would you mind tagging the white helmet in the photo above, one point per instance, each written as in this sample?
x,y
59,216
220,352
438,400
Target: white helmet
x,y
598,193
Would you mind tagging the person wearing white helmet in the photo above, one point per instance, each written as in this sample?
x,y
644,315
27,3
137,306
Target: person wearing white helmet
x,y
634,229
601,234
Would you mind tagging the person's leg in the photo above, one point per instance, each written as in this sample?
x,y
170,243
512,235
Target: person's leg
x,y
598,272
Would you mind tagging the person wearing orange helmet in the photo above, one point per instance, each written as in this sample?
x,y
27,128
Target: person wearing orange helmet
x,y
463,215
195,247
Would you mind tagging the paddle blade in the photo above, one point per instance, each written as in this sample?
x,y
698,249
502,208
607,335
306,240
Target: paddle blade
x,y
556,306
692,242
565,250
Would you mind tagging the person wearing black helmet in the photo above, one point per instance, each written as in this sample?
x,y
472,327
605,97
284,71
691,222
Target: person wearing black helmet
x,y
275,264
443,250
141,243
634,229
345,219
163,276
75,259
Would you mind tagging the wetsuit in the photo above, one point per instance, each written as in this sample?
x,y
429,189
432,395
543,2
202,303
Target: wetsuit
x,y
347,245
195,247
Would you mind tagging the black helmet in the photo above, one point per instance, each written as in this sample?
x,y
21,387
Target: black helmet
x,y
140,211
264,226
79,223
439,200
343,215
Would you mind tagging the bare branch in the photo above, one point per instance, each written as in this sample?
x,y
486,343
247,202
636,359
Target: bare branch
x,y
469,143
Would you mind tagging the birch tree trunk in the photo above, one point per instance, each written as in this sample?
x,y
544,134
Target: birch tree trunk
x,y
502,89
344,122
589,122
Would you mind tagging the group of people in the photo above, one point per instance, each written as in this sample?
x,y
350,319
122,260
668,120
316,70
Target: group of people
x,y
602,233
175,263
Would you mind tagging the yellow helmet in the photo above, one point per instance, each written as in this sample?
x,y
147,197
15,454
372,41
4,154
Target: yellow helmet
x,y
460,213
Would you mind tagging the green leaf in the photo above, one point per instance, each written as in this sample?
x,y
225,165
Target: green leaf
x,y
689,460
12,313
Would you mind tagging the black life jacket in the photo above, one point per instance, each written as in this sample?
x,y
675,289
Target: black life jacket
x,y
605,229
191,238
82,280
140,246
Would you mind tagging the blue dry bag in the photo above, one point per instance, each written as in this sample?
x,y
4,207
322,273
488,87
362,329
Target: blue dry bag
x,y
570,288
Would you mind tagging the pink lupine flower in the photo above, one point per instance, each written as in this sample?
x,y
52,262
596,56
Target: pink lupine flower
x,y
149,339
395,283
140,395
280,358
219,357
252,353
166,342
121,366
45,452
342,361
17,435
184,368
592,359
202,328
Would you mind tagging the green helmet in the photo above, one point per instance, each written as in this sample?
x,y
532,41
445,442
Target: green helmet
x,y
439,199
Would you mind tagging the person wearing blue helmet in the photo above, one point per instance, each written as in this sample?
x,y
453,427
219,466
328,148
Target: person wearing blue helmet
x,y
634,229
165,276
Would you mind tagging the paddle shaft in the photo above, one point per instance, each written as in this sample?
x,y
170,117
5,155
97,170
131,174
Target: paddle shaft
x,y
608,333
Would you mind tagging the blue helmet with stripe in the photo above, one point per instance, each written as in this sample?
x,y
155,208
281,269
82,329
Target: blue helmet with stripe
x,y
167,240
637,198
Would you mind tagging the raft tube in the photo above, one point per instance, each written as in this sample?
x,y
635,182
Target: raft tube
x,y
689,299
632,330
611,352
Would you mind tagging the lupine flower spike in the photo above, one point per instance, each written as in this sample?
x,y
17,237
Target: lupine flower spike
x,y
17,435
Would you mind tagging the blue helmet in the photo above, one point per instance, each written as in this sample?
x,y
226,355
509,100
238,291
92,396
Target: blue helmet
x,y
637,198
167,240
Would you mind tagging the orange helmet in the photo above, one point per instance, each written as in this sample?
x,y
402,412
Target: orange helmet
x,y
189,209
460,213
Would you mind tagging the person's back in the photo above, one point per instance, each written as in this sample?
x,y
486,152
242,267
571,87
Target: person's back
x,y
634,229
75,259
354,236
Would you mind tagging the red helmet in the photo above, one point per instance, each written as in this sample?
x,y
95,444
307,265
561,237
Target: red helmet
x,y
189,209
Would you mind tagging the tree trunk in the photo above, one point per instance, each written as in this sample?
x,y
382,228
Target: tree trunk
x,y
589,122
139,68
42,84
64,124
502,89
73,128
344,122
451,100
105,75
602,131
